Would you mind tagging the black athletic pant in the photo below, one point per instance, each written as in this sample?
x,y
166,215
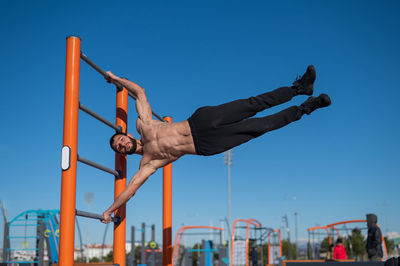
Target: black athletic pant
x,y
216,129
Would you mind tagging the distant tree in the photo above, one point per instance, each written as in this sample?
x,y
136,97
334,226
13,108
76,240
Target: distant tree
x,y
389,245
137,253
285,249
94,259
80,259
358,243
195,255
109,257
324,245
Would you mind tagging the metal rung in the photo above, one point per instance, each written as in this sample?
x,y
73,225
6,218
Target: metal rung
x,y
21,237
104,74
212,233
201,249
98,69
98,166
17,249
21,261
100,118
23,225
96,216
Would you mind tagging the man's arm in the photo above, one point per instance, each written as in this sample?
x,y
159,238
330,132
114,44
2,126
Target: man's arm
x,y
137,180
142,105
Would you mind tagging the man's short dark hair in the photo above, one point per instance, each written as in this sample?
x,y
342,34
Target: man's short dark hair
x,y
124,134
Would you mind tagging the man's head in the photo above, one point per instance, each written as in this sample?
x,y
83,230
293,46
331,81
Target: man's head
x,y
372,220
123,143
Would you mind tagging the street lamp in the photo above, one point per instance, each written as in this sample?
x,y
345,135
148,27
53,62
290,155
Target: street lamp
x,y
88,200
228,162
296,228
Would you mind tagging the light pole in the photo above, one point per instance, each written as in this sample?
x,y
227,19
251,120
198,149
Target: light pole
x,y
295,228
88,200
228,162
286,224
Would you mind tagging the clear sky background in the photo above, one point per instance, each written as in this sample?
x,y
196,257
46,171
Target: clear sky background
x,y
337,164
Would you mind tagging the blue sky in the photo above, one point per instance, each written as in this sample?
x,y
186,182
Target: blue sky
x,y
339,163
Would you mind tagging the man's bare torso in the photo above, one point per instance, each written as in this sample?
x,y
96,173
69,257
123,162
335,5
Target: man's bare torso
x,y
164,143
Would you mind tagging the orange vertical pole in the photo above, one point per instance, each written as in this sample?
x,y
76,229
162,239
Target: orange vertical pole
x,y
280,242
269,247
247,242
70,144
120,183
167,211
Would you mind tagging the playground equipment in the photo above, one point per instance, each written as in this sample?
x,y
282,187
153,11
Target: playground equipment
x,y
314,239
6,240
147,256
274,246
240,245
340,229
32,236
184,256
70,158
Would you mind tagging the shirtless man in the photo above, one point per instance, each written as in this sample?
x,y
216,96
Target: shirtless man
x,y
210,130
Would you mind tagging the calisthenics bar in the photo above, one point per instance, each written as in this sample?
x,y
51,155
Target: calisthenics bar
x,y
100,217
100,118
98,166
105,75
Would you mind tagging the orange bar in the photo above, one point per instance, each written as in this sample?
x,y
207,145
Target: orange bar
x,y
280,241
70,139
120,183
167,211
247,243
347,222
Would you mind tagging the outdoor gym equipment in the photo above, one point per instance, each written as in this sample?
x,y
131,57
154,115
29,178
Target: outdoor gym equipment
x,y
239,253
28,235
337,227
274,246
70,158
314,244
206,251
145,259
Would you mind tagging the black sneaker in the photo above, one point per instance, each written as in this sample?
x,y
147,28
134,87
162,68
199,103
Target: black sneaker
x,y
313,103
305,84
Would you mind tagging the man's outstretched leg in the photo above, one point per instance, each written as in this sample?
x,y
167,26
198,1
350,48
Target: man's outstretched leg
x,y
238,110
226,137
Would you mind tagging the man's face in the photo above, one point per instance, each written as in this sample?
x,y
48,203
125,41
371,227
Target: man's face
x,y
124,144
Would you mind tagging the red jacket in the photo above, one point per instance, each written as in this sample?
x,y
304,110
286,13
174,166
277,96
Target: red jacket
x,y
339,253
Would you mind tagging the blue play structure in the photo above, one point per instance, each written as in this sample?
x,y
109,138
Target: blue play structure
x,y
207,253
29,234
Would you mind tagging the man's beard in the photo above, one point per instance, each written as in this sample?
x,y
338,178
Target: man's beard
x,y
132,149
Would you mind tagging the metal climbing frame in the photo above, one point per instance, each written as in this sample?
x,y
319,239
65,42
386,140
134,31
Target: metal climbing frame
x,y
274,246
181,233
32,232
330,228
70,158
248,222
